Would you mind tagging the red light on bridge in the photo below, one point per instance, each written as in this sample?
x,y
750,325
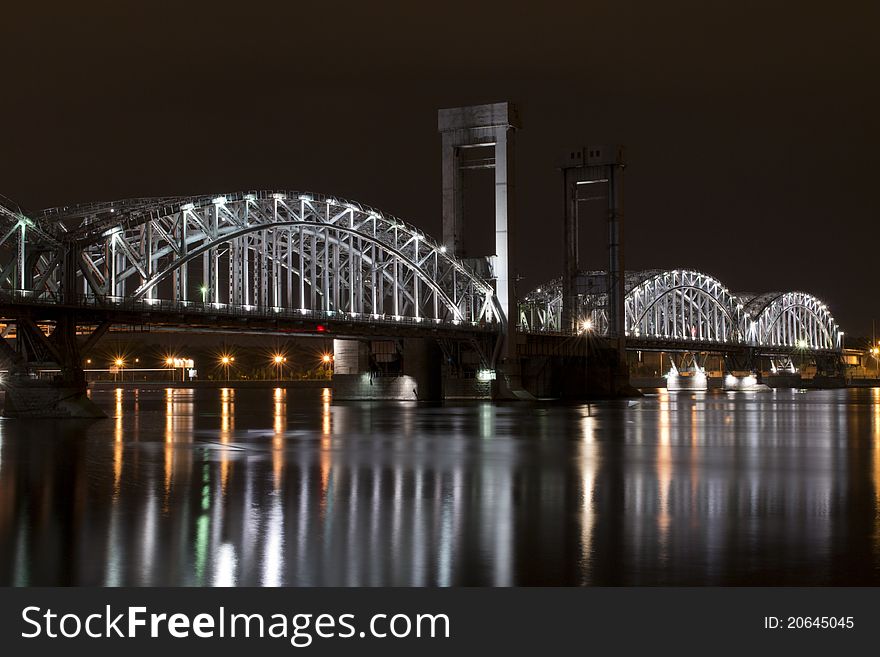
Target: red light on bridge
x,y
321,328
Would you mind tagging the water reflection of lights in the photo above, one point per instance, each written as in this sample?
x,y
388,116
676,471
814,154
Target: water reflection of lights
x,y
227,427
325,411
663,493
588,459
875,448
325,458
487,420
664,473
226,562
117,444
279,426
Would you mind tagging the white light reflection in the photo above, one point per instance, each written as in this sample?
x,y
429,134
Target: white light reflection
x,y
589,458
225,566
664,474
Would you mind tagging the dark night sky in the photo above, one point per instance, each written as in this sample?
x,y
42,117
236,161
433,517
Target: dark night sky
x,y
750,127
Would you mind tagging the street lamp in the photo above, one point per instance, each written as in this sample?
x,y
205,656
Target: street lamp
x,y
279,361
120,364
226,361
204,291
327,360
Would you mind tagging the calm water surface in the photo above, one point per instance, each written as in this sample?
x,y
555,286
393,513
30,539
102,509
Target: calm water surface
x,y
286,487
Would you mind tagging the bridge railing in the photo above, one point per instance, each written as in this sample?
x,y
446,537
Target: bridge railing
x,y
29,297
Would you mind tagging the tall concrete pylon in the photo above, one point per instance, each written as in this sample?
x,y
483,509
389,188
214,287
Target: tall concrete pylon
x,y
480,126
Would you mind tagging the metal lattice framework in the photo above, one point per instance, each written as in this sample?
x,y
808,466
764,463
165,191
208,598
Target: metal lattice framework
x,y
265,250
683,304
541,309
686,305
792,319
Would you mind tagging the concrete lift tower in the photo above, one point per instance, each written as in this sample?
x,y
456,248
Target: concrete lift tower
x,y
467,134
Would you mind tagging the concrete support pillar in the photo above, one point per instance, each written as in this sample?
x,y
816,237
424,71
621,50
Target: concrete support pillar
x,y
358,372
350,357
423,363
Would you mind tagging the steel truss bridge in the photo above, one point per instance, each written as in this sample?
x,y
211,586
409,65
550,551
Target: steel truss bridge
x,y
686,310
266,262
273,259
247,252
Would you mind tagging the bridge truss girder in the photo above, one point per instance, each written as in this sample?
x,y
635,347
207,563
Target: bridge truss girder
x,y
686,306
265,250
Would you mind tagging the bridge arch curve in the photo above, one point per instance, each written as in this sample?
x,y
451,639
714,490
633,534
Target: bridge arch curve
x,y
677,304
288,250
792,319
683,304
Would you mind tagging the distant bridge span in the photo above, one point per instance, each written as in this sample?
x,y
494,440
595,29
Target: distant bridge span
x,y
683,309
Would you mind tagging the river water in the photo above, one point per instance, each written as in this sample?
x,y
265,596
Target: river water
x,y
286,487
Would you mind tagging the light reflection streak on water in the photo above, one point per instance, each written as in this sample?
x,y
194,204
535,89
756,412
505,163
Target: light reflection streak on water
x,y
113,564
472,494
273,556
875,449
117,444
224,572
203,527
279,426
664,474
325,451
589,462
227,427
169,446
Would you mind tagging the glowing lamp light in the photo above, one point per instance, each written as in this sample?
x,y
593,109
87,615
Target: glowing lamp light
x,y
586,325
485,375
326,358
278,358
119,362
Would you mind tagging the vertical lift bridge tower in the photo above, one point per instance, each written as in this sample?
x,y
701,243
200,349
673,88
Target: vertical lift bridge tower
x,y
581,169
463,130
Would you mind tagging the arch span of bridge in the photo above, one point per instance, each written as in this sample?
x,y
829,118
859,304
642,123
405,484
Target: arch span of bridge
x,y
255,251
684,305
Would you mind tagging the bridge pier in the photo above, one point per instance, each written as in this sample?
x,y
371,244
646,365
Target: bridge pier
x,y
409,369
27,394
561,368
